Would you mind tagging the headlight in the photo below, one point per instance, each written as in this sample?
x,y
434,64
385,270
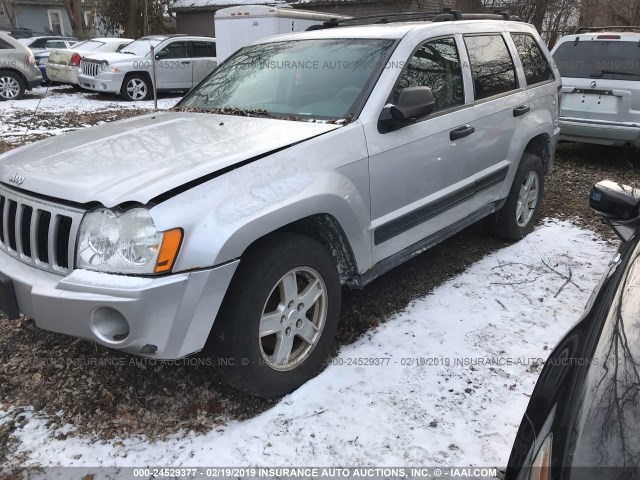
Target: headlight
x,y
104,65
540,469
125,242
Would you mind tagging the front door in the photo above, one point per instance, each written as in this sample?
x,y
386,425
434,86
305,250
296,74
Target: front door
x,y
421,174
174,69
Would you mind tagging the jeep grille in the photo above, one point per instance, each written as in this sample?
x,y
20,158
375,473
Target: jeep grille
x,y
38,232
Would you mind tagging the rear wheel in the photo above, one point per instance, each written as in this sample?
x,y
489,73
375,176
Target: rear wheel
x,y
516,218
136,88
279,317
11,85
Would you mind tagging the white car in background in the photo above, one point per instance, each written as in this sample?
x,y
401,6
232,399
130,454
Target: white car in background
x,y
181,61
64,65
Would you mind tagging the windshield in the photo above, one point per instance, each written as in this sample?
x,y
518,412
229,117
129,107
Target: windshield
x,y
89,45
322,79
142,46
613,60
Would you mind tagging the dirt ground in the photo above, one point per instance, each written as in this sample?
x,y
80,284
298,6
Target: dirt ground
x,y
106,394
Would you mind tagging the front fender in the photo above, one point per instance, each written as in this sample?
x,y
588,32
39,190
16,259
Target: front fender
x,y
324,175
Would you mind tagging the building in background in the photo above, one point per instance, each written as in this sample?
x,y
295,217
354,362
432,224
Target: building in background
x,y
46,16
196,17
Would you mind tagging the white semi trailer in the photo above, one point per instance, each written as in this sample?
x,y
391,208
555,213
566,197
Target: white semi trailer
x,y
239,26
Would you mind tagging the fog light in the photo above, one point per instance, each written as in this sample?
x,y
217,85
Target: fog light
x,y
109,325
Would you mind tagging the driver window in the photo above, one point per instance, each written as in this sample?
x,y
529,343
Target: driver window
x,y
435,64
176,50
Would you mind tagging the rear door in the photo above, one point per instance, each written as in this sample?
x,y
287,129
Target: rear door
x,y
600,78
500,104
203,59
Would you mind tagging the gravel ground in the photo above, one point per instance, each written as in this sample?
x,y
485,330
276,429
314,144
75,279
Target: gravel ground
x,y
106,394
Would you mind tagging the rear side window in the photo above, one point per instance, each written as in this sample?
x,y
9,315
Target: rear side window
x,y
435,64
613,60
4,45
491,65
203,49
535,65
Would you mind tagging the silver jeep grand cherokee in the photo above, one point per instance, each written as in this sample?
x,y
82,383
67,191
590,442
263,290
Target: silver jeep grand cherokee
x,y
304,163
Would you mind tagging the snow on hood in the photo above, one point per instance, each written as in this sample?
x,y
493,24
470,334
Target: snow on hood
x,y
140,158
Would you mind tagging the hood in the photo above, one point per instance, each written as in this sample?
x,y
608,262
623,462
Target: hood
x,y
115,57
140,158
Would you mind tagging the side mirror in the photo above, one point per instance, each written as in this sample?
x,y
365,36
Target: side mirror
x,y
161,54
618,205
413,103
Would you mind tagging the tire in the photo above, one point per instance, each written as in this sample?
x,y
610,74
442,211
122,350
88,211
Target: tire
x,y
136,88
512,222
12,85
250,361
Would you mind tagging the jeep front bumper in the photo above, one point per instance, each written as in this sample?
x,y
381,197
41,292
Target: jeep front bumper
x,y
160,317
108,82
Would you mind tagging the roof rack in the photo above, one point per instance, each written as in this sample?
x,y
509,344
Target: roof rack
x,y
612,28
445,15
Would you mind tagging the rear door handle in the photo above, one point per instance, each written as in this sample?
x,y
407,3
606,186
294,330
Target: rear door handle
x,y
461,132
521,110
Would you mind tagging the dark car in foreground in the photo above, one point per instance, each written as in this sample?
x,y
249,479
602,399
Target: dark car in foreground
x,y
583,418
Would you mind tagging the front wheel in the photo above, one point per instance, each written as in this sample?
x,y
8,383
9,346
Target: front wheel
x,y
516,218
279,317
136,88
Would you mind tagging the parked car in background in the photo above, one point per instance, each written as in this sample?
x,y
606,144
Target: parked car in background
x,y
37,44
583,417
182,61
18,70
600,70
41,58
64,65
21,32
305,162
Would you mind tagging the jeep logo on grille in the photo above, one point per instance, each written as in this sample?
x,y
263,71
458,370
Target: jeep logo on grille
x,y
16,179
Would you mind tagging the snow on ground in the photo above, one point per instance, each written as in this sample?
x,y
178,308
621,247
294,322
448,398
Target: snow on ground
x,y
63,99
41,112
428,401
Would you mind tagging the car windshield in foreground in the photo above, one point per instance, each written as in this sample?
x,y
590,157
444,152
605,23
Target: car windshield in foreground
x,y
613,60
141,47
297,80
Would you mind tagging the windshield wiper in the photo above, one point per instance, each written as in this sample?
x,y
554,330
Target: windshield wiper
x,y
612,72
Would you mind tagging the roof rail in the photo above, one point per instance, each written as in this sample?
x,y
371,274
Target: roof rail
x,y
611,28
444,15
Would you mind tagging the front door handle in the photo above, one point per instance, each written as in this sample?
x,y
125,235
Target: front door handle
x,y
461,132
521,110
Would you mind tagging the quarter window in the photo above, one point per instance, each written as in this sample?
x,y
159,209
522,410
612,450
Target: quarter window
x,y
4,45
435,64
491,65
535,65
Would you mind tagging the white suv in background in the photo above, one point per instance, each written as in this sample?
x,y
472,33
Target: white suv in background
x,y
181,62
600,70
